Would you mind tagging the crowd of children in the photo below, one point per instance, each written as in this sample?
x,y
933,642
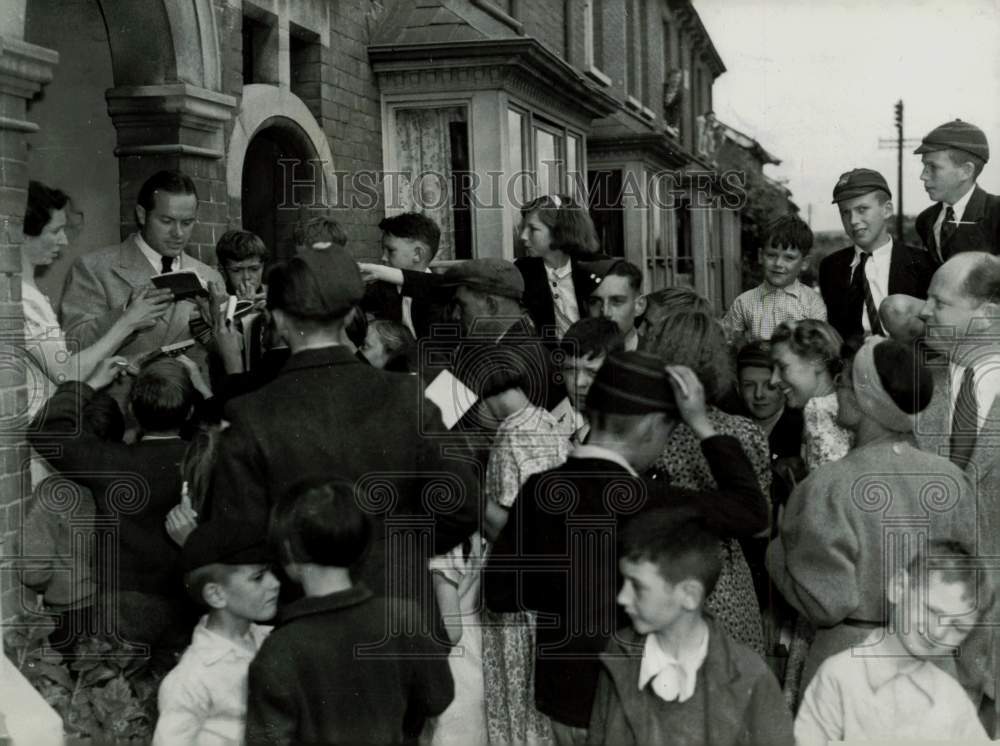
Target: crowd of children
x,y
583,514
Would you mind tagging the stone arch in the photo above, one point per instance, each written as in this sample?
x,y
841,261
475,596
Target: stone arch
x,y
163,41
257,111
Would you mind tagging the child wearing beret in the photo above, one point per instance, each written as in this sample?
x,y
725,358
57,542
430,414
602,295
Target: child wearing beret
x,y
203,699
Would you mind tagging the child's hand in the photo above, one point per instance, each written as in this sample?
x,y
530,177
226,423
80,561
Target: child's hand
x,y
181,521
690,397
106,372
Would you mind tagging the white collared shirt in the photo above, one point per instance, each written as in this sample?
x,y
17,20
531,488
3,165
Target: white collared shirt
x,y
407,312
673,678
567,310
877,272
203,700
632,340
986,379
858,695
154,257
606,454
958,207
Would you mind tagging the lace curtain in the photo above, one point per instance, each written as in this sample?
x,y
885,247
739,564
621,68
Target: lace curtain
x,y
424,156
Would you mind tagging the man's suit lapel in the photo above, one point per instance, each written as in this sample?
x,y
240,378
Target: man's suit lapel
x,y
932,217
132,266
968,236
932,423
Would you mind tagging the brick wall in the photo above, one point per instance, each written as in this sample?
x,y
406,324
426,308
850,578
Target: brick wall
x,y
545,21
13,395
337,85
354,126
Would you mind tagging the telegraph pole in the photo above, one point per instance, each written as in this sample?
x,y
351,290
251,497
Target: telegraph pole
x,y
899,170
898,143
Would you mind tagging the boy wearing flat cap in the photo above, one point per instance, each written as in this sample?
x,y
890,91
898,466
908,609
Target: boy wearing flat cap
x,y
204,698
855,280
965,218
563,525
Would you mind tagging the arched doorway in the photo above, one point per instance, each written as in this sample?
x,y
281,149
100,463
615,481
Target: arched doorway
x,y
73,149
282,179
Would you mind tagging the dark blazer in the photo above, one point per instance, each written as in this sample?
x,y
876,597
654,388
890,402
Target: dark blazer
x,y
910,271
561,524
310,683
983,209
136,485
538,294
428,306
327,414
736,701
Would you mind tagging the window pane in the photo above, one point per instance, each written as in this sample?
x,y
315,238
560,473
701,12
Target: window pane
x,y
547,161
573,177
515,154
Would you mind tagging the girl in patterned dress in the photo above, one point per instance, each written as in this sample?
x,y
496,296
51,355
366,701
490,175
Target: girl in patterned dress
x,y
697,340
807,359
528,440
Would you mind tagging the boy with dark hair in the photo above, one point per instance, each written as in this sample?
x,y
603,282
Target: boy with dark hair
x,y
781,296
887,686
203,699
241,256
337,668
675,675
585,346
617,295
563,523
136,485
403,288
409,240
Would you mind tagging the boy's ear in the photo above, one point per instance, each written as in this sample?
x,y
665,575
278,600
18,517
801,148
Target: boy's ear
x,y
692,594
214,595
140,215
640,305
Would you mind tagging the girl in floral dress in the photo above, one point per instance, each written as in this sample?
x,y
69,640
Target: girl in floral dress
x,y
697,340
528,441
807,359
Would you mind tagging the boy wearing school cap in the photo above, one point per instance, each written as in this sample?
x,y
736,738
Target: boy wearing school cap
x,y
855,280
204,698
563,525
965,218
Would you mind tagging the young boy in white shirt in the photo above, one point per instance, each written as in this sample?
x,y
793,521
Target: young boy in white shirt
x,y
203,700
889,687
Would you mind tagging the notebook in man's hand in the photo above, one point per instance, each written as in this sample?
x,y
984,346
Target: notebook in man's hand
x,y
184,283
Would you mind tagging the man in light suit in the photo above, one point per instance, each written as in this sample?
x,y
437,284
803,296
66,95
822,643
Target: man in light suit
x,y
965,217
962,315
101,283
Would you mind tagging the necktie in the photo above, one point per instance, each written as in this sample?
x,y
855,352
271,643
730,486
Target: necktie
x,y
873,320
166,263
860,294
948,228
964,422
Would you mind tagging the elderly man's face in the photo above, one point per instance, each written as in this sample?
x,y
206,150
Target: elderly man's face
x,y
950,315
469,306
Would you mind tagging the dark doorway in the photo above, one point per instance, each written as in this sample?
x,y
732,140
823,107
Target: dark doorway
x,y
282,181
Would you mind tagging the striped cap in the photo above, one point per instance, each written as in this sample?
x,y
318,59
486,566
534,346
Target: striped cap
x,y
632,383
957,135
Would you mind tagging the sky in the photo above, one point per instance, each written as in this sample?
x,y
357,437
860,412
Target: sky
x,y
815,82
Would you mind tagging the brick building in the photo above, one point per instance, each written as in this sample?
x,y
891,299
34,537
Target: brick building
x,y
280,106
